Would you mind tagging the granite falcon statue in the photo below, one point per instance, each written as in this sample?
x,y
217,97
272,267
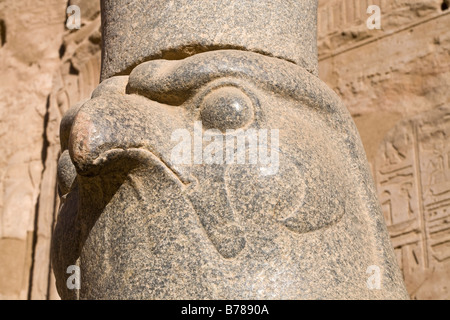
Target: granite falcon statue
x,y
140,224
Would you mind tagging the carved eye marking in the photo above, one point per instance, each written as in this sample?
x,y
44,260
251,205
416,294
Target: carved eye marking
x,y
226,108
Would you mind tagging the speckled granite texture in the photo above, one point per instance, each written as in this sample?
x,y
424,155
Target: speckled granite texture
x,y
142,225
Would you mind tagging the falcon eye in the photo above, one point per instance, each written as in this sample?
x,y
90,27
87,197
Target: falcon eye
x,y
226,108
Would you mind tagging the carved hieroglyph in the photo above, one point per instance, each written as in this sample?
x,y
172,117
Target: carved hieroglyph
x,y
140,224
413,179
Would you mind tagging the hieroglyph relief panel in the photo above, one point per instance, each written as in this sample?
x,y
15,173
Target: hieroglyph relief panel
x,y
412,172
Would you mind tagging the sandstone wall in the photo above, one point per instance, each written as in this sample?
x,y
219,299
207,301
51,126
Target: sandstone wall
x,y
44,69
394,82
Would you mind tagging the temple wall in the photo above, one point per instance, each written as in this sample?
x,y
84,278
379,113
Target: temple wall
x,y
394,81
45,68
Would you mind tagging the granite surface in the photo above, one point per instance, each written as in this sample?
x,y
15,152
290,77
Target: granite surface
x,y
152,208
